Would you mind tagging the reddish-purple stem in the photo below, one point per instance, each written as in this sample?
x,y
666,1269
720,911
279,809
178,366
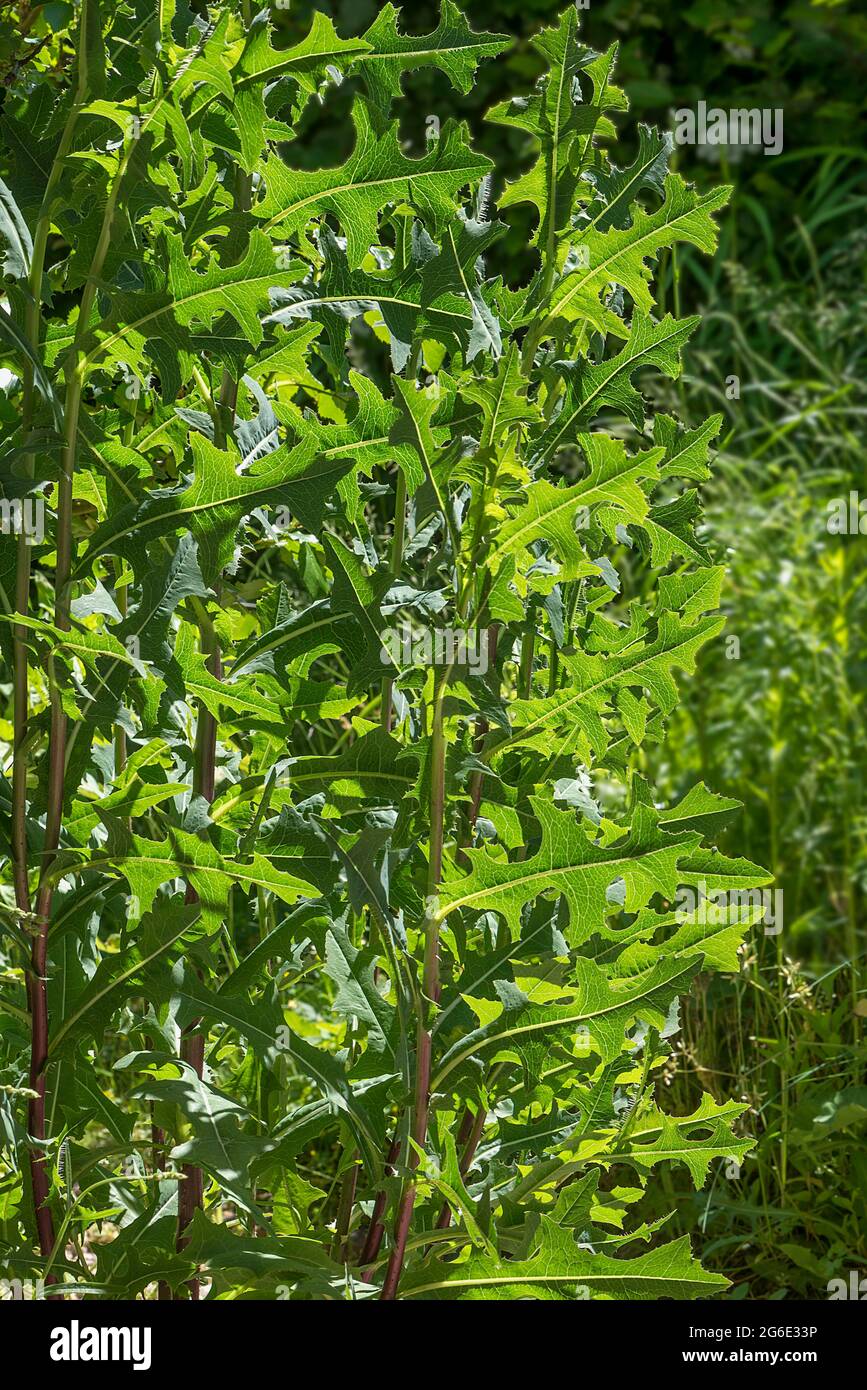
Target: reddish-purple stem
x,y
376,1229
470,1133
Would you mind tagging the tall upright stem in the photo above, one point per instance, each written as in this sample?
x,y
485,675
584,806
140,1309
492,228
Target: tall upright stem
x,y
430,986
191,1197
56,771
36,984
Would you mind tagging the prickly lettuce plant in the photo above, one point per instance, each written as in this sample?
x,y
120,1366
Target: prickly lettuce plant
x,y
343,936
